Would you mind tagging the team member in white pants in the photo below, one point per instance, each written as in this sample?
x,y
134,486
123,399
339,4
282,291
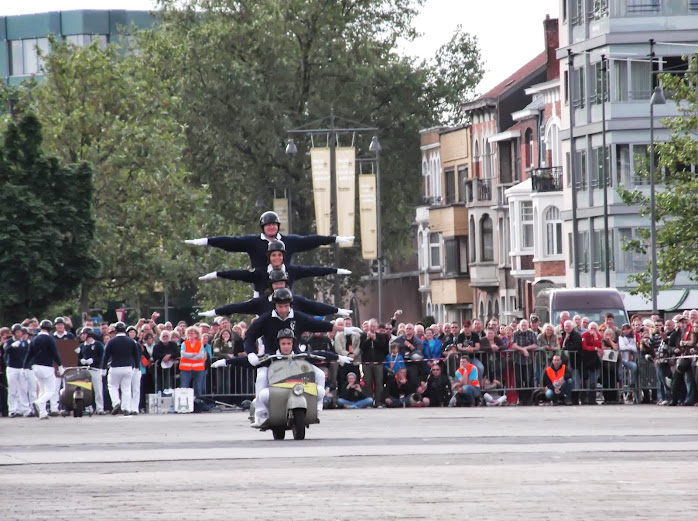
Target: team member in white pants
x,y
132,333
15,352
41,356
90,355
122,352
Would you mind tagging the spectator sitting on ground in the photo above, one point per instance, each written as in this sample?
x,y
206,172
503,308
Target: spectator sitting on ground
x,y
436,389
557,381
399,389
351,396
467,388
492,393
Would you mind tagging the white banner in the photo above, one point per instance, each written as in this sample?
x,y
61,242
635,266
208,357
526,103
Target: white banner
x,y
320,170
346,192
367,216
281,209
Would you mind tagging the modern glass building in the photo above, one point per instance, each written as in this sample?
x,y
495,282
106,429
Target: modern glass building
x,y
22,35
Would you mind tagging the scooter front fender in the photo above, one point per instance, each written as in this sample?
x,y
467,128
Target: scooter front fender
x,y
296,402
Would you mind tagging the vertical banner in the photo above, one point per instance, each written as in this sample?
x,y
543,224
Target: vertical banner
x,y
346,192
367,216
281,209
320,170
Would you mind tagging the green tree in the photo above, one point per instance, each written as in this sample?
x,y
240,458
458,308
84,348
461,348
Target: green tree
x,y
676,201
250,70
110,109
46,224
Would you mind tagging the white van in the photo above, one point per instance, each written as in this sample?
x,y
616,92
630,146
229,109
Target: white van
x,y
593,303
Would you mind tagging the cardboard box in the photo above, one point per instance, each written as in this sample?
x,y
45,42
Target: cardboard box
x,y
184,400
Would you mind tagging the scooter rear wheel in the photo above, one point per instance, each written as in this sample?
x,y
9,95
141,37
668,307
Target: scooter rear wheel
x,y
279,433
298,424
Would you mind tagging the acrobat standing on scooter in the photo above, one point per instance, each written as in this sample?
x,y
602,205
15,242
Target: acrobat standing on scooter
x,y
256,245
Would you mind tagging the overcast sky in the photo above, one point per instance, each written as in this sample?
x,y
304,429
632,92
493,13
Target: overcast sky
x,y
510,32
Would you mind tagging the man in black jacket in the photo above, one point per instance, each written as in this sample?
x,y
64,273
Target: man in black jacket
x,y
374,349
42,354
436,391
123,353
399,389
16,349
90,354
256,245
571,346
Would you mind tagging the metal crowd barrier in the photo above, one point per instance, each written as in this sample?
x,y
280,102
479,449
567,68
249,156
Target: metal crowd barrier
x,y
229,381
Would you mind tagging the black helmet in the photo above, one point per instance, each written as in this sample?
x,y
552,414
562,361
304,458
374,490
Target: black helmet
x,y
277,276
131,328
276,246
120,327
46,324
269,218
282,296
16,327
285,333
58,320
87,330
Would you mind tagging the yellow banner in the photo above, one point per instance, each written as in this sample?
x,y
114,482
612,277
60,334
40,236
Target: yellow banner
x,y
346,192
281,209
320,170
367,216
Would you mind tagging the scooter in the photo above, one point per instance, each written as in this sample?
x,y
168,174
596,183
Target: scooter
x,y
77,393
292,396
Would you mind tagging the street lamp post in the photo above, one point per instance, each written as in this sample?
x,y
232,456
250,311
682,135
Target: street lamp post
x,y
657,99
332,131
375,146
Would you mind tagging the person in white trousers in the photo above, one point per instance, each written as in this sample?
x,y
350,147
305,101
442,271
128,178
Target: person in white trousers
x,y
16,350
132,333
42,354
122,352
90,354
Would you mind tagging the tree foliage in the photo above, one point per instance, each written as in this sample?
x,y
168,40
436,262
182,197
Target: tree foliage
x,y
676,200
250,70
46,224
109,109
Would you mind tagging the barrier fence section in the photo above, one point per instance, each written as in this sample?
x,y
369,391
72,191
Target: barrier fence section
x,y
514,372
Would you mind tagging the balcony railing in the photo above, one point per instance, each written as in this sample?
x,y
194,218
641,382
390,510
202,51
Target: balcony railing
x,y
484,189
547,179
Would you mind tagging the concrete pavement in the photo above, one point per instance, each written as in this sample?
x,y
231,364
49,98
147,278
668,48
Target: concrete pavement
x,y
615,462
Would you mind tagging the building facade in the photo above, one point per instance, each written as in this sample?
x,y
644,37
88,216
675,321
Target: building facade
x,y
24,37
608,78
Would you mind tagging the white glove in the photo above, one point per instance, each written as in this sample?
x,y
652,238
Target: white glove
x,y
342,271
77,350
302,348
344,312
352,330
344,360
15,343
61,370
197,242
209,276
90,361
83,362
253,359
216,349
218,363
210,313
343,240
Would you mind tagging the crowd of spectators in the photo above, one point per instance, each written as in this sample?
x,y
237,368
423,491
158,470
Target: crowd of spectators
x,y
396,364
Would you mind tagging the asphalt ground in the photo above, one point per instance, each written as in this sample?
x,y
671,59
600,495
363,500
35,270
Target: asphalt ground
x,y
510,463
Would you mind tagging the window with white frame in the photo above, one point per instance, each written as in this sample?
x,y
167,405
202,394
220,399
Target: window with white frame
x,y
630,261
476,158
473,241
526,213
528,147
553,231
487,238
434,251
421,257
24,56
552,141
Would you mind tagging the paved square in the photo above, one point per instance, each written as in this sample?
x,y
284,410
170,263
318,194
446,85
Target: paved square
x,y
585,463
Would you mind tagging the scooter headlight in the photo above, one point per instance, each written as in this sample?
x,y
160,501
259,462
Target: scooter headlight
x,y
298,389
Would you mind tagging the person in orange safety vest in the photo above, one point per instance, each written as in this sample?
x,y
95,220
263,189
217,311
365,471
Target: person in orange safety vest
x,y
557,381
192,364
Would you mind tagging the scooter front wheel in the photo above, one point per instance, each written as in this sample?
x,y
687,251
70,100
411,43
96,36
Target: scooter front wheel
x,y
298,424
279,433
